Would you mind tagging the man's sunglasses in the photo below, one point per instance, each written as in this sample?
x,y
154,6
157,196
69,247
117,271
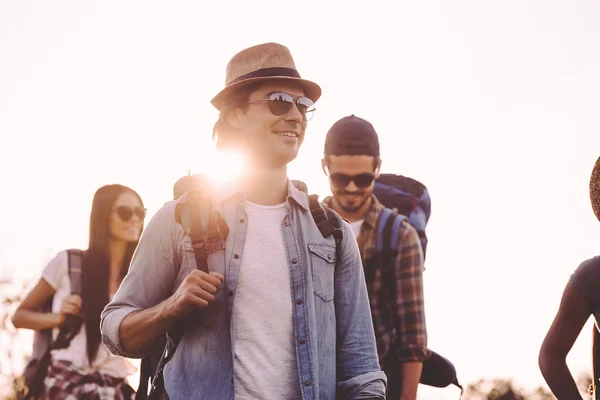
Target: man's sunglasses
x,y
361,180
281,103
125,213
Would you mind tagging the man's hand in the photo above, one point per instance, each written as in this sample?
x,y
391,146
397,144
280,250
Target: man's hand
x,y
196,291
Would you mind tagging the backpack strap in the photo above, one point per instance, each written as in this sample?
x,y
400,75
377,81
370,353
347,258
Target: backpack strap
x,y
76,270
72,323
328,222
383,220
208,230
593,389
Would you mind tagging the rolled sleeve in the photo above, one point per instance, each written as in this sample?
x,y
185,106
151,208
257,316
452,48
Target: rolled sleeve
x,y
370,385
110,326
150,279
359,375
410,305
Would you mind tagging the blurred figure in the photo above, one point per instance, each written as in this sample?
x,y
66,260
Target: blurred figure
x,y
84,368
580,299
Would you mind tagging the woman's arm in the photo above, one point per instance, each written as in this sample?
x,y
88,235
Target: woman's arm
x,y
572,315
27,314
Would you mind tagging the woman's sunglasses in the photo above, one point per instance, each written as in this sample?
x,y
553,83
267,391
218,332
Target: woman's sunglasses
x,y
125,213
362,181
281,103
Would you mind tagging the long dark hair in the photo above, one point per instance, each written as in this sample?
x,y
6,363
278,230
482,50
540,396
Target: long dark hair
x,y
97,263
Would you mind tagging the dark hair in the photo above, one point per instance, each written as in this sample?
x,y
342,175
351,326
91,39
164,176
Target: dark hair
x,y
376,161
236,100
97,263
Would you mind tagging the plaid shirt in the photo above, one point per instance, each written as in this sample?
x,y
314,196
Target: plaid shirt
x,y
399,325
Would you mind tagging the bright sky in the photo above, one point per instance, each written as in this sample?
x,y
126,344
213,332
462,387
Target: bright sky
x,y
494,106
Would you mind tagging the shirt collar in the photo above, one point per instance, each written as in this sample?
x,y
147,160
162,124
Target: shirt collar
x,y
224,192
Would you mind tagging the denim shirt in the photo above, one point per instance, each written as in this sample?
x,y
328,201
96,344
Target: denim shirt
x,y
333,330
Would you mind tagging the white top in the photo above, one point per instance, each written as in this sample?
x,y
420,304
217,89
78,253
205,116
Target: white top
x,y
56,274
265,365
356,225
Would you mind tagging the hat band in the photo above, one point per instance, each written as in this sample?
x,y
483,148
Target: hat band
x,y
267,72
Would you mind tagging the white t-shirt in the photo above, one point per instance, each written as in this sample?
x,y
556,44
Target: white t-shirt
x,y
356,225
265,364
56,274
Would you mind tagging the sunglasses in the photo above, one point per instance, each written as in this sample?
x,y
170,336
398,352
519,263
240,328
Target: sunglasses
x,y
361,180
281,103
125,213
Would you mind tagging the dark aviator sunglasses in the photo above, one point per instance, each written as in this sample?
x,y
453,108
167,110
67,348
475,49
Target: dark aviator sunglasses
x,y
362,181
125,213
280,103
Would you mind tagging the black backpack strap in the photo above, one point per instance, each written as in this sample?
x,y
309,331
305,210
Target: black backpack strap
x,y
72,323
145,374
328,223
593,389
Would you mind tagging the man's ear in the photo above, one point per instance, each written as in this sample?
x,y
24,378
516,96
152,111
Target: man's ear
x,y
378,170
324,166
235,118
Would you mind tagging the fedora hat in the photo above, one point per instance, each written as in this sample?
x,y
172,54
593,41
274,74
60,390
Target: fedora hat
x,y
595,188
267,61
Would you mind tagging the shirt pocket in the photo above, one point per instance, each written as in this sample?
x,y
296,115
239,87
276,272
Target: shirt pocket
x,y
322,259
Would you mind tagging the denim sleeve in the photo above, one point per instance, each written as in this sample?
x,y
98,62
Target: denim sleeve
x,y
150,279
358,372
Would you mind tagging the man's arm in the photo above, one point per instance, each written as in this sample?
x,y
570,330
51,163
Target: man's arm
x,y
143,308
411,347
358,372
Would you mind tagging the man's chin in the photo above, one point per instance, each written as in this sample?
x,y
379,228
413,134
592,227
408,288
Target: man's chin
x,y
350,208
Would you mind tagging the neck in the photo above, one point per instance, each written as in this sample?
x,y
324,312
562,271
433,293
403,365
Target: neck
x,y
357,215
265,185
117,249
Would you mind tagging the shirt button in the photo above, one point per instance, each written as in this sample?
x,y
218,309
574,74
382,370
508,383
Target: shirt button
x,y
286,223
241,220
236,256
294,261
307,383
299,301
329,256
302,341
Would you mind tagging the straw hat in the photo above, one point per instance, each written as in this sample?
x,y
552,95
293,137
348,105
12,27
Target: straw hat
x,y
595,189
265,61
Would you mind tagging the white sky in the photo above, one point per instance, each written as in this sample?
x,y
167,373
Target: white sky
x,y
493,105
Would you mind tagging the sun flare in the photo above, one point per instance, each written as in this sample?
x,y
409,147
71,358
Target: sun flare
x,y
223,167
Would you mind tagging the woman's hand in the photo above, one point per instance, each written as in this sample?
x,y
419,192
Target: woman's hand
x,y
70,305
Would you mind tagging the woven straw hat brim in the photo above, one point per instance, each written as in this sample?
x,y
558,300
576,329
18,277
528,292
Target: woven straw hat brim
x,y
311,89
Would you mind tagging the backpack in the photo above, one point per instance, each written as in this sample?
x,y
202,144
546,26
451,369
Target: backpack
x,y
205,226
31,384
409,197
